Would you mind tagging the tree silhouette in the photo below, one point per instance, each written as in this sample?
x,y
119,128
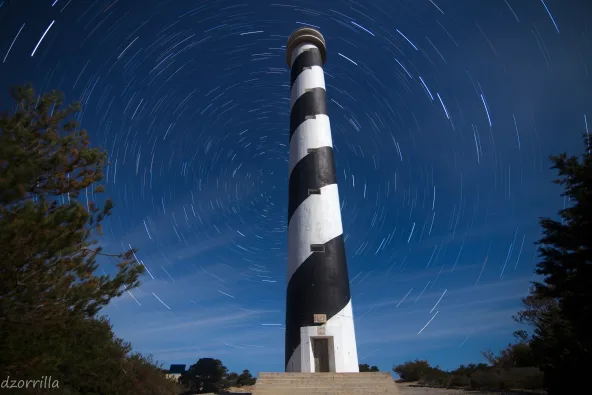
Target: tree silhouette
x,y
50,291
206,375
560,307
47,256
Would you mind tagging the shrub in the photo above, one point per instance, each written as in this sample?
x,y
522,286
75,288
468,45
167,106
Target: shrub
x,y
456,380
485,380
367,368
412,370
434,377
468,370
245,378
522,378
478,377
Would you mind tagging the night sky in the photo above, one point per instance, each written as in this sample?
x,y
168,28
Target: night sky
x,y
443,115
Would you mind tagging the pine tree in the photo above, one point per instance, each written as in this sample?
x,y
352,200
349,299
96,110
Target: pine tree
x,y
205,376
48,254
560,307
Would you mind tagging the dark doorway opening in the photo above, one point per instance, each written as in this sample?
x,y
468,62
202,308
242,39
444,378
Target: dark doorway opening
x,y
320,351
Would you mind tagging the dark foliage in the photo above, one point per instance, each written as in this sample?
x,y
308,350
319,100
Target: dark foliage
x,y
367,368
245,378
47,256
560,307
508,370
412,370
86,357
50,293
231,380
516,355
206,375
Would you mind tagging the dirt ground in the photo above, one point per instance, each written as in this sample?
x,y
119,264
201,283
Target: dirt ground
x,y
409,389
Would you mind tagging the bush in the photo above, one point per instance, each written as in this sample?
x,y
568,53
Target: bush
x,y
456,380
367,368
478,377
434,377
412,370
528,378
468,370
245,378
144,376
485,380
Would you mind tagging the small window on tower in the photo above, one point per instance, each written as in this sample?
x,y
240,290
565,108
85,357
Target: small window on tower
x,y
308,89
317,248
310,117
311,150
314,191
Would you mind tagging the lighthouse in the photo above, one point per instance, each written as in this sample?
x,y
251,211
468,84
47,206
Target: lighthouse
x,y
320,335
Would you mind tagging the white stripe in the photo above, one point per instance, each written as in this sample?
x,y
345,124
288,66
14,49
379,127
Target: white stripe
x,y
294,364
341,328
312,133
299,49
308,79
316,221
346,353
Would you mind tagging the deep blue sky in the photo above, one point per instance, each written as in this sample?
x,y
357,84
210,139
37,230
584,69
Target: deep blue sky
x,y
440,193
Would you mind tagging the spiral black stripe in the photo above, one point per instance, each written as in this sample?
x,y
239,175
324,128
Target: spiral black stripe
x,y
310,103
319,286
314,171
306,59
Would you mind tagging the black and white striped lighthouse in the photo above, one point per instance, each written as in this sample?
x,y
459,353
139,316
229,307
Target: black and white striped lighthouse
x,y
320,334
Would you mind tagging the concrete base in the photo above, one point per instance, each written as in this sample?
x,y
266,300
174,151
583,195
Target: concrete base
x,y
342,352
367,383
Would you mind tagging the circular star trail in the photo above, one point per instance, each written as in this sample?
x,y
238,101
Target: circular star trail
x,y
443,114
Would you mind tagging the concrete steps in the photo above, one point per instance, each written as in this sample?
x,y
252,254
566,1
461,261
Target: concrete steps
x,y
367,383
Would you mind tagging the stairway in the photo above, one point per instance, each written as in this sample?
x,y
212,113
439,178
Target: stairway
x,y
367,383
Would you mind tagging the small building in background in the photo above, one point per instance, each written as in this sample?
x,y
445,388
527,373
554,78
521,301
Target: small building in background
x,y
175,371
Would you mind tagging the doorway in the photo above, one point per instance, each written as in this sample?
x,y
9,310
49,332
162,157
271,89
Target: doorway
x,y
320,351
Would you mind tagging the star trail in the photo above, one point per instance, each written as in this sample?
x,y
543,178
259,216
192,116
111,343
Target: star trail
x,y
443,114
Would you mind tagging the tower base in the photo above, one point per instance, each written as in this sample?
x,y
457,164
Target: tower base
x,y
367,383
330,347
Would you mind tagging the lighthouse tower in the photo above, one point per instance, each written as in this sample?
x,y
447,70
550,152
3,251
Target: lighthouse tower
x,y
320,334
